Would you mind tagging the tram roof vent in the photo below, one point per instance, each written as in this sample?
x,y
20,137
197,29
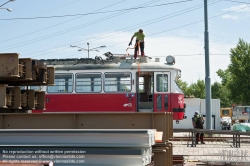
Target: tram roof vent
x,y
157,59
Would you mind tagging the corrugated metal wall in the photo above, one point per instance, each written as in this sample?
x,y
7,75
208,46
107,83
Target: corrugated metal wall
x,y
215,108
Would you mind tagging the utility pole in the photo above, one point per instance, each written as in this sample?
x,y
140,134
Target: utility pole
x,y
88,49
207,69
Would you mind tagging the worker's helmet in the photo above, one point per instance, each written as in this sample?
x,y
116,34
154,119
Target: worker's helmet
x,y
140,30
196,113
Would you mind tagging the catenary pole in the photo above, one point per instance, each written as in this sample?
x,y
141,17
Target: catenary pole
x,y
207,69
88,49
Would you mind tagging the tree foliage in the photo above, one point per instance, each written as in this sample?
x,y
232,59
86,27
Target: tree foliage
x,y
184,86
197,90
235,85
239,70
221,92
225,75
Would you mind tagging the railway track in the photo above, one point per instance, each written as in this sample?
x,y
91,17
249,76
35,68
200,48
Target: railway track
x,y
208,138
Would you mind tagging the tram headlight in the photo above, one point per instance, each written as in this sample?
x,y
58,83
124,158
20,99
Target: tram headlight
x,y
170,59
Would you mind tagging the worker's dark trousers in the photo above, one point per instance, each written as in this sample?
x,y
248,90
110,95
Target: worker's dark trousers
x,y
199,136
141,47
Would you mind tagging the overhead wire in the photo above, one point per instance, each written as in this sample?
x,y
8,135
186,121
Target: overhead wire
x,y
131,27
4,3
92,13
59,33
137,25
70,29
237,1
187,24
58,23
191,23
155,20
144,23
162,56
67,4
195,55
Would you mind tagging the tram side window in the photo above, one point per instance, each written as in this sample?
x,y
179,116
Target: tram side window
x,y
63,84
162,83
117,82
91,82
37,88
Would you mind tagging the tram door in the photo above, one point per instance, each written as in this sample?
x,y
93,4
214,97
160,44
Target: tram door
x,y
161,91
144,91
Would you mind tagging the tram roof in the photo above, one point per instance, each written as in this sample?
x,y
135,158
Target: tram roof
x,y
115,63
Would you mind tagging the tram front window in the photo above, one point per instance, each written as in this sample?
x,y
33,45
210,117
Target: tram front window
x,y
162,83
177,87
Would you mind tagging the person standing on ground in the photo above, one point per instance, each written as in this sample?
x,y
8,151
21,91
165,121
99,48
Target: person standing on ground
x,y
198,122
139,40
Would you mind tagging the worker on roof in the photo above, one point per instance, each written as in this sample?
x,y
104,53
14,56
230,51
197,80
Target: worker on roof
x,y
198,122
138,43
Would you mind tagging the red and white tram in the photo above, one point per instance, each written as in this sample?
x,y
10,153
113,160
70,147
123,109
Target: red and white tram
x,y
115,85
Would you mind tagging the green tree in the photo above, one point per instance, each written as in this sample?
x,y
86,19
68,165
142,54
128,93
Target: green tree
x,y
183,86
225,75
197,89
239,83
221,92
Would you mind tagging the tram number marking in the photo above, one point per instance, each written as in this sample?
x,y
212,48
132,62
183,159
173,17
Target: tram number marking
x,y
127,105
180,99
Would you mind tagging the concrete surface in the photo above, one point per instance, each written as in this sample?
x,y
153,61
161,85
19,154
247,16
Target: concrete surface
x,y
213,153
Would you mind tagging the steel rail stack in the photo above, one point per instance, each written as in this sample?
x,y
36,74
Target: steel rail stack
x,y
79,147
162,151
17,73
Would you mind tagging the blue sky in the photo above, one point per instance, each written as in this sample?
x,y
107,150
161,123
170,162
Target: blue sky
x,y
173,27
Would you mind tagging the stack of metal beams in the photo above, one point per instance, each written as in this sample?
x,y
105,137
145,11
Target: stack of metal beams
x,y
65,147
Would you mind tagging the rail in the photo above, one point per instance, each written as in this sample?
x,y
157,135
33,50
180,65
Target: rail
x,y
192,132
